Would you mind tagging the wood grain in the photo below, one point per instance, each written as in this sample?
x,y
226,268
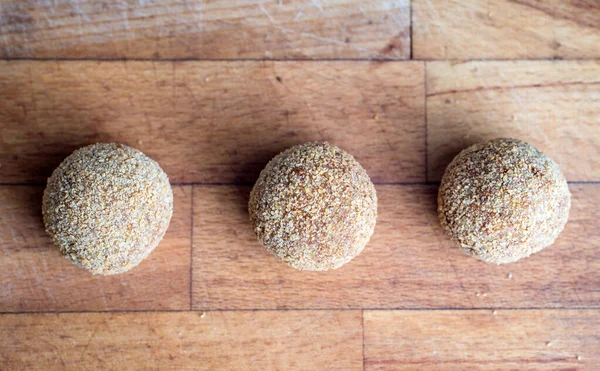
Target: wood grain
x,y
216,122
206,29
482,340
175,341
206,100
35,277
553,105
409,263
506,29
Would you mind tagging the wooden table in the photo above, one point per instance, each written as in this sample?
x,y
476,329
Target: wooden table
x,y
212,90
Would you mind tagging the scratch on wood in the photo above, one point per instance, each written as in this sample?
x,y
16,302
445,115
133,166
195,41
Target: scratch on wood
x,y
103,295
265,12
553,11
317,5
396,20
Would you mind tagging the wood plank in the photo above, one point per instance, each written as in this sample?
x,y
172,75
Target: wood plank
x,y
206,29
409,263
506,29
215,340
217,122
35,277
553,105
482,340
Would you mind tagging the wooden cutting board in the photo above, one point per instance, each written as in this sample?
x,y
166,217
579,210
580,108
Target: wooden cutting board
x,y
212,90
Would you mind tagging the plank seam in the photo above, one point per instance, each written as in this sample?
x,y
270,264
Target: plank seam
x,y
201,184
192,248
181,184
386,60
410,28
309,310
168,60
426,129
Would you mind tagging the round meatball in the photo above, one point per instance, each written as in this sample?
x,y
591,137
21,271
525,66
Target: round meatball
x,y
107,206
314,207
503,200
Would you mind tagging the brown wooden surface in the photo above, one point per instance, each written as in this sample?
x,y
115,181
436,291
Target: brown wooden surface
x,y
212,121
205,29
409,262
35,277
482,340
505,29
411,300
551,104
175,341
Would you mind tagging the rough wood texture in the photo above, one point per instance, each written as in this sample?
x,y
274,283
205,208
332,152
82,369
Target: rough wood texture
x,y
553,105
409,262
205,29
217,123
212,121
175,341
506,29
35,277
482,340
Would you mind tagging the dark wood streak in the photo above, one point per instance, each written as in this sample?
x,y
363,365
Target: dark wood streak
x,y
532,86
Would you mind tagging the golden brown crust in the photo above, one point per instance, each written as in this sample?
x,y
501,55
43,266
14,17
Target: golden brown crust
x,y
314,207
503,200
107,206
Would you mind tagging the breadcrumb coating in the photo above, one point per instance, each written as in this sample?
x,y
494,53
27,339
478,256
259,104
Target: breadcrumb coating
x,y
314,207
503,200
106,207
